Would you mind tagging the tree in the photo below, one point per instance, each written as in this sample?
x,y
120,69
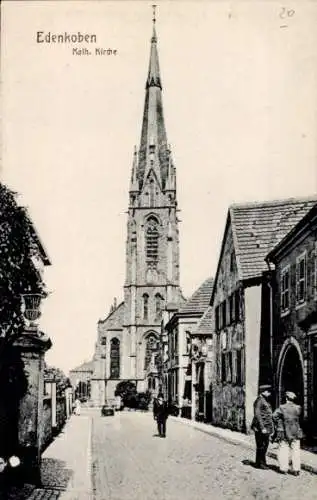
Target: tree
x,y
56,374
125,387
143,400
17,272
127,390
17,276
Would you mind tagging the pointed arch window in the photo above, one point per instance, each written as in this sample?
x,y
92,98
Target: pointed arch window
x,y
152,193
145,306
152,241
150,348
115,358
158,305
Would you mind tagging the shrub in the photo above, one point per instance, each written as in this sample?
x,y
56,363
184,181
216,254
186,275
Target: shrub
x,y
143,400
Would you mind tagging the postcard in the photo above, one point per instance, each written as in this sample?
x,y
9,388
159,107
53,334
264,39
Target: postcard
x,y
158,244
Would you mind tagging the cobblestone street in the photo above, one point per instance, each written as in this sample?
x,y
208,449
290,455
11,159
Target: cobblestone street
x,y
130,462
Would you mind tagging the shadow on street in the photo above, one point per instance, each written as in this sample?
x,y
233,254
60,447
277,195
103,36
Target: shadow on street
x,y
54,476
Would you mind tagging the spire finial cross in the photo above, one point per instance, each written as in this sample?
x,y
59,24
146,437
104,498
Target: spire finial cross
x,y
154,13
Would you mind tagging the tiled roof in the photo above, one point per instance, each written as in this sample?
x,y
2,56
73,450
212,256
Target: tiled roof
x,y
200,299
85,367
258,227
205,325
308,220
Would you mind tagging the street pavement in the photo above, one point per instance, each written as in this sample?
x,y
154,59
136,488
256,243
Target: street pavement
x,y
131,463
122,458
66,471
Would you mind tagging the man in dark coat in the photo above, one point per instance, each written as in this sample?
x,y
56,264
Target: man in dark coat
x,y
160,414
288,433
262,425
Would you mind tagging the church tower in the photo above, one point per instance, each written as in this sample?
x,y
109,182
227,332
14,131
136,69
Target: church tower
x,y
152,247
127,343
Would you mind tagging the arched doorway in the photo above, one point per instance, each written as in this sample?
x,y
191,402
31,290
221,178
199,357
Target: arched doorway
x,y
291,375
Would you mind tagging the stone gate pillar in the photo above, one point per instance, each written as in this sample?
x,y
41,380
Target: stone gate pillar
x,y
32,345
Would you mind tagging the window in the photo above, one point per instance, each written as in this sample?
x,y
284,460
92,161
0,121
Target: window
x,y
217,312
151,238
226,366
158,305
237,305
188,342
229,366
301,280
285,282
224,313
176,342
223,367
231,308
115,358
232,262
151,346
152,193
145,306
239,367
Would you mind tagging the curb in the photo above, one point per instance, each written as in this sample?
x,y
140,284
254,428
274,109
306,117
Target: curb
x,y
89,459
237,440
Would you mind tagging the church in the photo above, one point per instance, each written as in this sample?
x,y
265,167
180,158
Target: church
x,y
128,338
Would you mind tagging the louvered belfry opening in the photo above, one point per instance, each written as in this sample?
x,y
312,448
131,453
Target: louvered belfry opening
x,y
152,240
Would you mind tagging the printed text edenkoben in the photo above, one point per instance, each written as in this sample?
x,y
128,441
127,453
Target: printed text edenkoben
x,y
49,37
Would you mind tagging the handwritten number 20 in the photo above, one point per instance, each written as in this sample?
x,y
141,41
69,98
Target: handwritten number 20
x,y
285,13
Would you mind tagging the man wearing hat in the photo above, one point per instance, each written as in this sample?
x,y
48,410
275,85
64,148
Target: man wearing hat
x,y
262,425
160,414
288,433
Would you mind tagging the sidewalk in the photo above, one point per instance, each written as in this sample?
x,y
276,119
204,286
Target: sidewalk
x,y
66,464
308,459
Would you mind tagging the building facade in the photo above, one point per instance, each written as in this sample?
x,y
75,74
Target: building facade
x,y
201,367
295,317
179,330
128,339
80,379
242,306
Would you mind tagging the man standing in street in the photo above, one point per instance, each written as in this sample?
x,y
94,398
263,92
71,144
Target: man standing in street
x,y
288,433
160,414
262,425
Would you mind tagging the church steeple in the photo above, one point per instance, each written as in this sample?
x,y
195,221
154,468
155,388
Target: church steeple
x,y
152,254
154,154
154,78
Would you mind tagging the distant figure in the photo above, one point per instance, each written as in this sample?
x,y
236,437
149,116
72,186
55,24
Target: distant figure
x,y
288,433
77,407
262,425
160,414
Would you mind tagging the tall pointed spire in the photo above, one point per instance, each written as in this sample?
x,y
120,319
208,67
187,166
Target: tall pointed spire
x,y
154,78
153,152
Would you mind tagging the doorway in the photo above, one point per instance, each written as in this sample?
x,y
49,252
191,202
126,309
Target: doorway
x,y
292,376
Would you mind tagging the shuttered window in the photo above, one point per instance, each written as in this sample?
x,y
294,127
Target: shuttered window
x,y
285,292
301,279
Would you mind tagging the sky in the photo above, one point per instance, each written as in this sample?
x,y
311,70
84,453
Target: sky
x,y
239,94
